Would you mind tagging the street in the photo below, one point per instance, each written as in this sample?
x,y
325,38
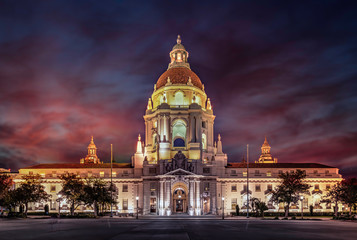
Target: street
x,y
173,228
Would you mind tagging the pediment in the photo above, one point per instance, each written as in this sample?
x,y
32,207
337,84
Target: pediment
x,y
181,172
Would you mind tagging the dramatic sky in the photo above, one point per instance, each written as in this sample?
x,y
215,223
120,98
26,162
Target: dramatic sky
x,y
284,69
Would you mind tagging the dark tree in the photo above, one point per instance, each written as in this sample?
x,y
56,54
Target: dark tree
x,y
237,210
311,210
30,190
97,193
349,193
5,191
5,185
334,196
291,187
72,190
259,206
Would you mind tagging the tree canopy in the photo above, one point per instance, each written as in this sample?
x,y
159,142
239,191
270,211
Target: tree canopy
x,y
290,188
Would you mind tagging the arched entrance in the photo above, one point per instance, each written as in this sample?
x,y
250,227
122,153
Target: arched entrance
x,y
179,198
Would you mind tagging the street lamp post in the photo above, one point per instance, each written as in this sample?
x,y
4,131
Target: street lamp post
x,y
302,207
137,207
222,208
59,205
247,180
111,180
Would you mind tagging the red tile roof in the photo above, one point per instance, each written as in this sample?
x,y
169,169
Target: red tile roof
x,y
179,75
277,165
78,165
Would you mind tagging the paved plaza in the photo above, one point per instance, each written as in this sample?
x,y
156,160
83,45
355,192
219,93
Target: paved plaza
x,y
174,228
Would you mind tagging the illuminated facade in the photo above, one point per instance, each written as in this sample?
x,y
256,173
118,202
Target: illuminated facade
x,y
180,167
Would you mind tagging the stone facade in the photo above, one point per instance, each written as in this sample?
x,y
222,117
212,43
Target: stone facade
x,y
180,168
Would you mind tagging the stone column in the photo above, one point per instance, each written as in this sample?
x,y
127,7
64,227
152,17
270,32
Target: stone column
x,y
161,200
168,197
191,197
223,189
164,134
198,198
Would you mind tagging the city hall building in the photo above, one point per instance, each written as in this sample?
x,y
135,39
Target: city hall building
x,y
180,166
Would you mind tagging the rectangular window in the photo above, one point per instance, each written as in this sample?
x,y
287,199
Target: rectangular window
x,y
152,170
30,173
125,187
244,174
270,187
234,188
114,174
280,171
257,172
125,204
328,187
257,188
233,172
291,171
327,172
315,171
152,186
54,174
234,203
206,170
317,187
269,174
245,187
53,188
206,186
125,172
42,175
89,173
101,174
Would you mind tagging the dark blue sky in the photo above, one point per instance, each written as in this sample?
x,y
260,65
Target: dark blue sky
x,y
284,69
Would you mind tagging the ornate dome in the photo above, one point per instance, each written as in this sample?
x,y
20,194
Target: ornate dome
x,y
179,75
178,45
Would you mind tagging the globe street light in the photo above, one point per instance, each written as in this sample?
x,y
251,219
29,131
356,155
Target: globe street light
x,y
137,207
302,211
222,208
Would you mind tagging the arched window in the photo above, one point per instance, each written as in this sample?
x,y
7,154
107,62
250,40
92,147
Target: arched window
x,y
204,141
179,133
179,142
154,140
178,98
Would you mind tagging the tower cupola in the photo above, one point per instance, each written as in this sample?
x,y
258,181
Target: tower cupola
x,y
266,156
179,55
92,154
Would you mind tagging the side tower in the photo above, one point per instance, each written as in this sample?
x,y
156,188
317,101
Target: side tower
x,y
179,117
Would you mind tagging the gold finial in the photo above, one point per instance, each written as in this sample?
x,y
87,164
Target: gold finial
x,y
209,106
178,39
139,138
149,107
91,140
219,137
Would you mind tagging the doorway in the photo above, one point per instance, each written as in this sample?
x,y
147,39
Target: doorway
x,y
152,205
180,201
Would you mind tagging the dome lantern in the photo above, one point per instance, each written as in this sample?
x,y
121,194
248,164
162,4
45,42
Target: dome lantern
x,y
179,55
